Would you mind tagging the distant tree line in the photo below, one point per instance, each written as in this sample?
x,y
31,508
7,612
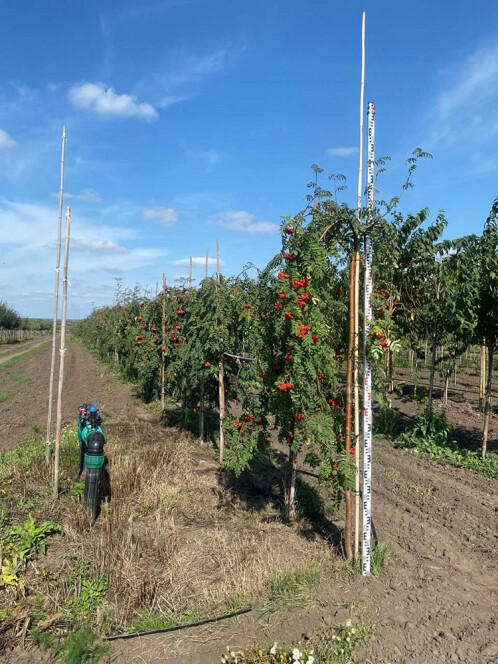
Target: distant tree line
x,y
11,320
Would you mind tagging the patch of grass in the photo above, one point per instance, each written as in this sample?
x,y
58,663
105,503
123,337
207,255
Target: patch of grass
x,y
4,396
165,550
380,553
293,588
22,378
147,622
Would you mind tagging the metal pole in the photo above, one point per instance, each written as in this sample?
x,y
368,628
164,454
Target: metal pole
x,y
367,366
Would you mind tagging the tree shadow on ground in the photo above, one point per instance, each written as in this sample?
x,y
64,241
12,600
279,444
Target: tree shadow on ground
x,y
262,484
188,419
470,438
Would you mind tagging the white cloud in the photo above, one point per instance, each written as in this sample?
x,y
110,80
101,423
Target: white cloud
x,y
6,141
167,217
244,222
86,196
27,244
170,100
476,80
190,69
462,117
197,261
342,152
77,244
104,101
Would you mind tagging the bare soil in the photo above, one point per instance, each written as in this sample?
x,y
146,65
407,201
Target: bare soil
x,y
435,601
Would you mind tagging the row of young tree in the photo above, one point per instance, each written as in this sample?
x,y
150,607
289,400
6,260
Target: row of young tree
x,y
266,349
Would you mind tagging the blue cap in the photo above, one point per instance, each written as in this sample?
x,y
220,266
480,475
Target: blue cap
x,y
93,409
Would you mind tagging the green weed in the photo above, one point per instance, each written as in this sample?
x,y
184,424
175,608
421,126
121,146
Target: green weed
x,y
20,543
82,647
430,435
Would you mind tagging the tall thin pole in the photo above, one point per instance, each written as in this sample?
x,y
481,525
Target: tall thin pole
x,y
356,353
221,368
218,261
367,366
163,339
62,351
56,300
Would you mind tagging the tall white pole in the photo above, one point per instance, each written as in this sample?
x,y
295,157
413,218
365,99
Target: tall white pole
x,y
58,427
56,300
356,358
367,366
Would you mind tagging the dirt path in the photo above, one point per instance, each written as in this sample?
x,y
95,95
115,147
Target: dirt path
x,y
25,387
9,351
437,599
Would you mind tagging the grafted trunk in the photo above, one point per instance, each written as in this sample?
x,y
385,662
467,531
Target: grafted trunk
x,y
432,368
487,398
482,375
222,408
290,507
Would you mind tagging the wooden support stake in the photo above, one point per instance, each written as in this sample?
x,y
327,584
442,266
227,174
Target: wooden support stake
x,y
56,301
58,427
163,359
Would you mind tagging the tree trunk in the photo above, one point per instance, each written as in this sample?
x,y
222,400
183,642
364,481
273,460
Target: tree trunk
x,y
487,398
390,370
201,410
432,368
482,375
222,407
290,507
446,383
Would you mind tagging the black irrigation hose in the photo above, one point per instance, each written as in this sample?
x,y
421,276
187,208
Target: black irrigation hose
x,y
132,635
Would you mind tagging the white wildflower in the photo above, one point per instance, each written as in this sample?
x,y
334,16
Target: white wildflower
x,y
273,649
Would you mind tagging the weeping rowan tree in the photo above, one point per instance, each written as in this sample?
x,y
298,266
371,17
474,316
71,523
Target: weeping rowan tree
x,y
300,370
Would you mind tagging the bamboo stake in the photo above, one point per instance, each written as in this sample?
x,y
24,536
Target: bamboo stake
x,y
163,359
221,369
58,426
56,300
349,393
487,399
218,261
356,352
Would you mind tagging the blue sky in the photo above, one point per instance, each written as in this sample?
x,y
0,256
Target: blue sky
x,y
192,120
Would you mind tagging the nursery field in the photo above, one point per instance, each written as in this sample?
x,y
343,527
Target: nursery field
x,y
183,539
